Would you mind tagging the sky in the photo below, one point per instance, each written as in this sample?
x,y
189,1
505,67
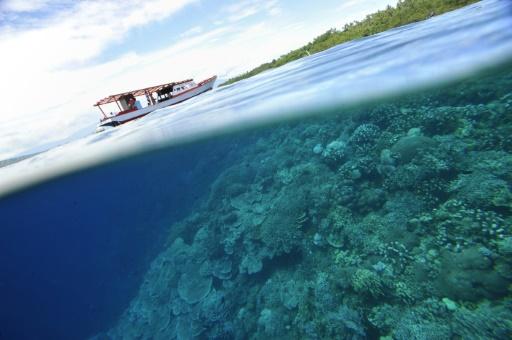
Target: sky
x,y
59,57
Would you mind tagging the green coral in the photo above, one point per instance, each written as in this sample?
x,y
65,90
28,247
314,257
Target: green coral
x,y
344,258
404,292
368,283
281,231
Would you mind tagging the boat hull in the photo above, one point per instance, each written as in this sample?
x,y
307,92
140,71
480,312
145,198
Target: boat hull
x,y
127,116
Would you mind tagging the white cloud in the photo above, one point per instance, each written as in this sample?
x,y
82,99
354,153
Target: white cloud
x,y
243,13
353,10
347,5
193,31
77,35
275,11
23,5
248,8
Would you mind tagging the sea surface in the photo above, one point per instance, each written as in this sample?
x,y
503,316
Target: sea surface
x,y
364,192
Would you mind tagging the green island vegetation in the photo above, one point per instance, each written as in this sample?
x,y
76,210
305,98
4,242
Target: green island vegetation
x,y
405,12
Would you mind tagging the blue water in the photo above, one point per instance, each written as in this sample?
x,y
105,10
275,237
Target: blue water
x,y
73,250
82,223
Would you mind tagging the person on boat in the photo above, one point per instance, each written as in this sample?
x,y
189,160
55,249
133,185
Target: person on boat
x,y
131,103
150,99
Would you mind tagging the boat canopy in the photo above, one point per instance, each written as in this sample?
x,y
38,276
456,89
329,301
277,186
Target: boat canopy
x,y
136,93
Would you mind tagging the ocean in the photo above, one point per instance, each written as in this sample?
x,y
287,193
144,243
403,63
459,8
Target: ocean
x,y
364,192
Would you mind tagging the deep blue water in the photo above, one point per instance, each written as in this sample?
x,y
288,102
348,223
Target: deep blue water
x,y
75,247
73,251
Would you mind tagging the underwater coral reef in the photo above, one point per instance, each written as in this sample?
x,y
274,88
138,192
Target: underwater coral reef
x,y
389,221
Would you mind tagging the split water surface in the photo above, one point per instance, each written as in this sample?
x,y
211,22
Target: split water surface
x,y
359,193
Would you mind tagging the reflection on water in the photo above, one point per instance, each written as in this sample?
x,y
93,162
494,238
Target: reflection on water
x,y
391,218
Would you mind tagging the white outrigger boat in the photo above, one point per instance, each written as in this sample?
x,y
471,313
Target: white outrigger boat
x,y
166,94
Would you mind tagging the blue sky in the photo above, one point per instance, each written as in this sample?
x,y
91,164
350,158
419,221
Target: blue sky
x,y
60,56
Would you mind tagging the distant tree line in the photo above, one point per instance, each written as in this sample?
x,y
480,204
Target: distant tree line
x,y
405,12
